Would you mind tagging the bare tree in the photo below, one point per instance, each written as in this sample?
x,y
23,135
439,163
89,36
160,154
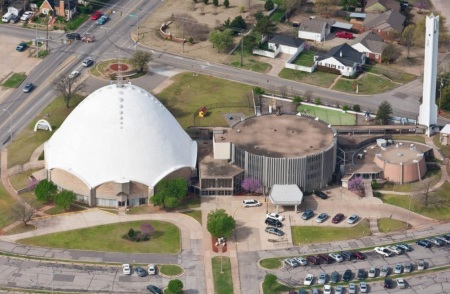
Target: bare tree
x,y
68,87
408,37
424,192
191,27
23,212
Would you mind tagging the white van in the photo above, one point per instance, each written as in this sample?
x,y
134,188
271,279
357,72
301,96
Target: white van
x,y
7,17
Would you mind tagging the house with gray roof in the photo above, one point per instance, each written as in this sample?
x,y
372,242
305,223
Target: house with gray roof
x,y
370,44
316,29
344,58
380,6
286,44
388,25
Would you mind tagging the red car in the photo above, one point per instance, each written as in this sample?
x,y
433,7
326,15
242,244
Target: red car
x,y
96,15
337,218
313,260
344,35
358,255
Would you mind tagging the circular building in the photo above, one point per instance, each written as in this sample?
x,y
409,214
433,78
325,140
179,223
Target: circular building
x,y
116,146
402,162
284,149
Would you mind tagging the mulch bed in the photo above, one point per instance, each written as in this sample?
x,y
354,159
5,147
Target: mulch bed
x,y
217,249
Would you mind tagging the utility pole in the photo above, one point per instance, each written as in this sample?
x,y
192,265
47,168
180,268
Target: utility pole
x,y
134,15
242,48
46,39
440,95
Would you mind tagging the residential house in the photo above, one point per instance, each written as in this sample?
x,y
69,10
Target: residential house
x,y
286,44
380,6
316,29
445,135
370,44
344,58
388,25
65,8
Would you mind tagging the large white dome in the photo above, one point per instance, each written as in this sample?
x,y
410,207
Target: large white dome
x,y
120,134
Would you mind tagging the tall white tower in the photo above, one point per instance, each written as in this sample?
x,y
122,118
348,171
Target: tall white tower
x,y
428,109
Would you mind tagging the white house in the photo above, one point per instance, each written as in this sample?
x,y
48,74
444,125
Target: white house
x,y
316,29
343,58
286,44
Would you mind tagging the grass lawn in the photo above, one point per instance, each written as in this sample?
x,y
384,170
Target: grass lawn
x,y
57,210
278,15
223,282
191,201
434,175
394,75
21,229
317,78
190,92
270,263
251,64
196,214
414,138
30,198
19,181
6,202
444,148
277,288
387,225
165,239
334,117
170,270
302,235
306,58
15,80
20,150
368,84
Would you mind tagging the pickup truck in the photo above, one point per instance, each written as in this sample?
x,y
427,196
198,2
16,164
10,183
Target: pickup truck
x,y
88,38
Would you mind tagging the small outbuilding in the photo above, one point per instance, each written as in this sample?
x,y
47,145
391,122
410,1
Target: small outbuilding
x,y
202,111
286,195
445,134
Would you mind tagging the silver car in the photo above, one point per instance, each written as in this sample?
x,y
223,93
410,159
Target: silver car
x,y
363,287
321,217
353,219
339,290
398,268
301,260
351,288
384,271
372,272
322,278
408,267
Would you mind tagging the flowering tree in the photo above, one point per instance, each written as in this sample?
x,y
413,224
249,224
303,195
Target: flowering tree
x,y
356,185
147,229
422,5
251,185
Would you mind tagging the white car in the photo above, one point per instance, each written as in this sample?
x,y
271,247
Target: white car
x,y
394,249
353,219
372,272
336,256
322,278
363,287
275,215
308,280
301,260
74,74
351,288
250,203
398,268
401,283
339,290
420,265
151,268
126,268
383,251
26,15
327,289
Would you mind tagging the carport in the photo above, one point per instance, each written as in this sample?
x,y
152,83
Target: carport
x,y
286,195
342,26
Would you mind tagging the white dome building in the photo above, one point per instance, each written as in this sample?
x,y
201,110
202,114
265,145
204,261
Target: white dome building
x,y
116,146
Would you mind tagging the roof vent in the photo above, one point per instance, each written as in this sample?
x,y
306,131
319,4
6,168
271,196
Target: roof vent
x,y
340,53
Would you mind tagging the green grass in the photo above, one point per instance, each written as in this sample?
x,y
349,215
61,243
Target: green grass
x,y
392,74
76,21
190,92
57,210
19,181
386,225
6,202
191,201
170,270
270,263
23,146
30,198
444,148
303,235
306,58
277,288
278,15
196,214
108,238
223,282
15,80
368,84
414,138
143,209
334,117
317,78
252,64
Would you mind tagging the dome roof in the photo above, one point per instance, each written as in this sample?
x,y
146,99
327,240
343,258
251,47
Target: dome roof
x,y
120,134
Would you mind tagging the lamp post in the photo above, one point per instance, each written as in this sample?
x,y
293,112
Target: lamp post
x,y
409,211
36,42
10,123
134,15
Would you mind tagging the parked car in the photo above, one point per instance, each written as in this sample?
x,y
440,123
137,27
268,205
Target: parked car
x,y
443,239
336,256
322,278
325,258
337,218
301,260
291,262
28,87
322,217
382,251
347,255
405,247
384,271
321,194
358,255
327,289
251,203
361,274
153,289
363,287
351,288
339,290
104,18
96,15
74,74
372,272
436,241
423,243
273,222
421,265
347,275
353,219
394,249
308,280
88,62
26,15
22,46
344,35
275,215
126,268
73,36
409,267
314,291
88,38
151,268
334,277
401,283
14,18
387,283
274,231
307,214
313,260
140,271
398,268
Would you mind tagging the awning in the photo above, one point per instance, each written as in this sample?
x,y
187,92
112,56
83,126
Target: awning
x,y
286,195
342,25
357,15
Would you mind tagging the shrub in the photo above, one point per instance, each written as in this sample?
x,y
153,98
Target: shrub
x,y
269,5
345,108
356,107
136,236
317,101
356,185
226,3
269,281
374,184
175,286
258,90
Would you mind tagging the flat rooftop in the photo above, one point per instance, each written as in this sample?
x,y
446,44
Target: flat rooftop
x,y
402,152
217,168
286,135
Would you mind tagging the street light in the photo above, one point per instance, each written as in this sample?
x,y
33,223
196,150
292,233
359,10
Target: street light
x,y
134,15
10,123
409,210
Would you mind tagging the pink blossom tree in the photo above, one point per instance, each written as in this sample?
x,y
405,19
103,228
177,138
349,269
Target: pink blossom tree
x,y
252,185
356,185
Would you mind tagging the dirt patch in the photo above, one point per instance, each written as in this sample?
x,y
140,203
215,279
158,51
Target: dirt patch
x,y
118,67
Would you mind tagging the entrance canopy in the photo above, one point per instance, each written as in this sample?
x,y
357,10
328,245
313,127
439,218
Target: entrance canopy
x,y
286,195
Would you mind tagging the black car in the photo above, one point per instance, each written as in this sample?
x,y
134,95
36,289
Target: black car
x,y
361,274
423,243
153,289
387,283
73,36
347,275
273,222
28,87
321,194
140,271
347,255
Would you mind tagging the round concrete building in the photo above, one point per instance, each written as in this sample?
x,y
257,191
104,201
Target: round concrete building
x,y
116,146
281,149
